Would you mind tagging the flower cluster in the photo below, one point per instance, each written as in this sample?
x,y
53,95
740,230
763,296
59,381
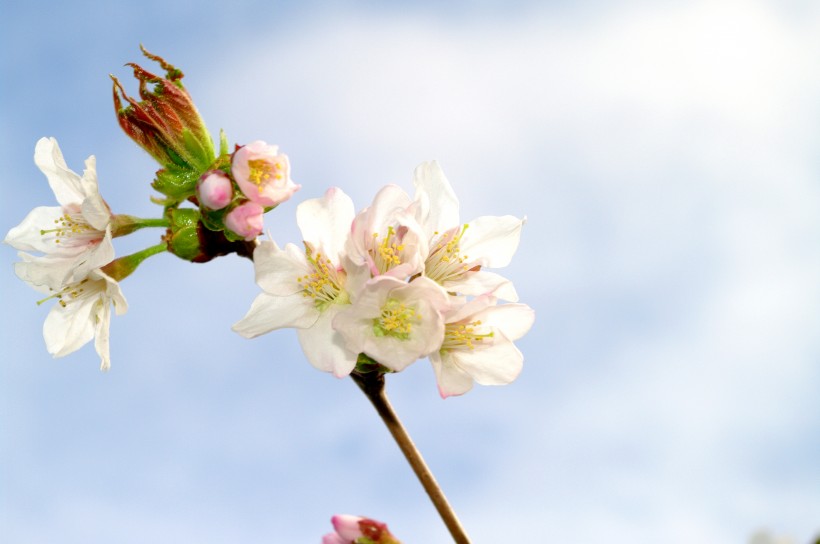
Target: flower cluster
x,y
75,239
76,265
231,190
401,280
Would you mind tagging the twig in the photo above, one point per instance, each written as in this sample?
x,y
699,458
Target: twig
x,y
372,384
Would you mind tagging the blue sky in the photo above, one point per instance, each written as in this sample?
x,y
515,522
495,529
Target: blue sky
x,y
666,156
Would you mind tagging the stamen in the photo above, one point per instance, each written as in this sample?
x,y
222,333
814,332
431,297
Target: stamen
x,y
73,229
387,254
69,293
262,170
396,320
324,283
463,336
445,260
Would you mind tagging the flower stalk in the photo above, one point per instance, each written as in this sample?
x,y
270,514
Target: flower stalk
x,y
122,225
372,385
121,268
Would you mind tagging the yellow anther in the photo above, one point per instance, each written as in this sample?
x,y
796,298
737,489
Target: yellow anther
x,y
463,336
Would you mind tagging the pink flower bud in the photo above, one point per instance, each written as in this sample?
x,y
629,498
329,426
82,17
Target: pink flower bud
x,y
214,190
246,220
334,538
347,526
263,174
351,528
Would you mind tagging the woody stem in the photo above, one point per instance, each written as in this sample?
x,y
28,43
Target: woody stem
x,y
372,384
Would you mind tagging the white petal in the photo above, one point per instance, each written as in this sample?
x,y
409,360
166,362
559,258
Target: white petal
x,y
56,270
513,320
389,200
325,222
277,270
113,291
491,241
270,312
355,323
94,257
357,277
450,378
325,348
101,334
66,185
482,282
499,364
68,329
89,179
26,235
437,204
49,271
96,211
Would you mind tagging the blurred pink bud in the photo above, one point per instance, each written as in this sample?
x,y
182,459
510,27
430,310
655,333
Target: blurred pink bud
x,y
334,538
349,529
347,526
246,220
263,174
214,190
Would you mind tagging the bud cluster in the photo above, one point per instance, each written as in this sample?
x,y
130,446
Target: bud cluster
x,y
212,205
231,191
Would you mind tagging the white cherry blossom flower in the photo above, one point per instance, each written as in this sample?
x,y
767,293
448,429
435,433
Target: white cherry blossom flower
x,y
305,289
75,237
386,239
82,312
394,322
478,345
459,252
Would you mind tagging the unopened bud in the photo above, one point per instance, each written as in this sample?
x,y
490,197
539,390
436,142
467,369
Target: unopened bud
x,y
165,122
214,190
355,529
246,220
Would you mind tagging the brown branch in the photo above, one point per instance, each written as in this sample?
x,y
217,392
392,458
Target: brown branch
x,y
372,384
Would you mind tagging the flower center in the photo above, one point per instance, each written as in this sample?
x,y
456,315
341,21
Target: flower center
x,y
262,170
70,230
324,283
463,336
396,320
387,253
445,260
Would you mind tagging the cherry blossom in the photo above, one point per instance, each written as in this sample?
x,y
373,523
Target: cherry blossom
x,y
263,174
385,238
82,312
75,237
394,322
305,289
478,345
459,252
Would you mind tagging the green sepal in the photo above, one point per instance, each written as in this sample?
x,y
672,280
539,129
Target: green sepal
x,y
224,149
231,235
214,219
201,150
365,365
176,183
